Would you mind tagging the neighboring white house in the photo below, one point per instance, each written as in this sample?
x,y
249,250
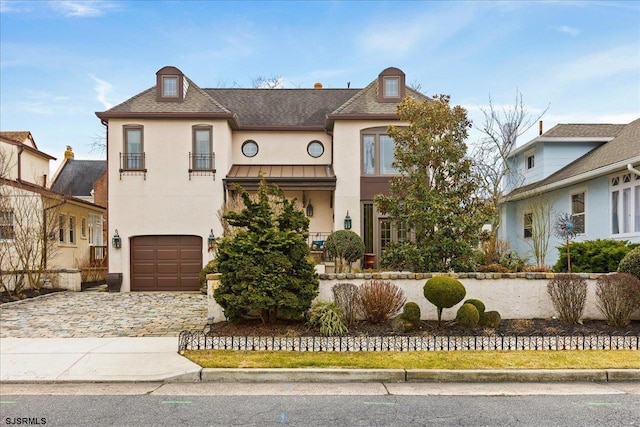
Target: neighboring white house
x,y
175,152
590,171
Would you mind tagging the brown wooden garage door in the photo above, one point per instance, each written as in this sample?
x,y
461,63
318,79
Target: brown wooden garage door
x,y
165,263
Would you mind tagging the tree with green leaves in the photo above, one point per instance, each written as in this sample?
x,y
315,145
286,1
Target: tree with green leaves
x,y
435,191
265,264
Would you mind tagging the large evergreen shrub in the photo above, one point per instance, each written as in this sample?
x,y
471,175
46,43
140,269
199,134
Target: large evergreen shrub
x,y
265,264
593,256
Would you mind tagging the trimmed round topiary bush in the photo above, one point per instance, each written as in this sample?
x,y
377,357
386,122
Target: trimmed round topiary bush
x,y
490,319
468,316
346,247
477,304
411,313
631,263
444,292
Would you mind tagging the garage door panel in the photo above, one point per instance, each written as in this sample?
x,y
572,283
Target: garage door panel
x,y
163,253
165,263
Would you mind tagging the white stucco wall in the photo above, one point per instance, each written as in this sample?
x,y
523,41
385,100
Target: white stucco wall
x,y
281,147
166,201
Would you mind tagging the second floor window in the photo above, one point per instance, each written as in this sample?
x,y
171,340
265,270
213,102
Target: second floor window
x,y
378,154
133,148
202,149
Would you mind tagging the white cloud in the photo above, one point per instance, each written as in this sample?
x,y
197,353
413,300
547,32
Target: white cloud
x,y
45,103
102,89
400,37
82,9
13,6
574,32
600,64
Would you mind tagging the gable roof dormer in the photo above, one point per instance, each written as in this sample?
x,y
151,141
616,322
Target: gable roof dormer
x,y
391,85
171,86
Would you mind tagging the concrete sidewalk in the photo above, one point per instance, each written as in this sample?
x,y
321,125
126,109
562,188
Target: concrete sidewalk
x,y
122,359
155,359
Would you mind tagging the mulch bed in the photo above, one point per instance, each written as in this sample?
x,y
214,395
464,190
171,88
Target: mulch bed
x,y
255,327
27,293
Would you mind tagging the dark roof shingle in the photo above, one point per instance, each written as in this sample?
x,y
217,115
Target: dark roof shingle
x,y
77,177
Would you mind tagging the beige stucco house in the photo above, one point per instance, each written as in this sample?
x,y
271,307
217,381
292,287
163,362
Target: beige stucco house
x,y
176,150
49,225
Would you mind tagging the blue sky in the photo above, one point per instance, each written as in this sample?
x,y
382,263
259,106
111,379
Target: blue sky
x,y
61,61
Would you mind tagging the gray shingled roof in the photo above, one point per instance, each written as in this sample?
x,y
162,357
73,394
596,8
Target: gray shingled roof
x,y
281,107
625,146
584,131
77,177
366,102
195,101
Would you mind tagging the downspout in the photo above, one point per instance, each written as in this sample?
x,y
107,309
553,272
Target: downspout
x,y
105,238
632,169
20,150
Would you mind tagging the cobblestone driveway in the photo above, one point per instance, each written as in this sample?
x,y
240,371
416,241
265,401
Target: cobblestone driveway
x,y
102,314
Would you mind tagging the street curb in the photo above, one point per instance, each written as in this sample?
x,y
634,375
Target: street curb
x,y
417,375
302,375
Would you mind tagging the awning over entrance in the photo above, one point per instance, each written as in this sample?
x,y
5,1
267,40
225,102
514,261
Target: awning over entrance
x,y
287,177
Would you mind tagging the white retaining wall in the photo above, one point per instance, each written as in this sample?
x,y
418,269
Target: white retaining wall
x,y
515,296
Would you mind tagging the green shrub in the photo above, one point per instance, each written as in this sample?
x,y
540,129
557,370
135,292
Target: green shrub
x,y
264,264
327,317
618,297
380,300
513,261
593,256
202,276
568,294
346,246
411,313
444,292
490,319
479,305
400,256
631,263
467,316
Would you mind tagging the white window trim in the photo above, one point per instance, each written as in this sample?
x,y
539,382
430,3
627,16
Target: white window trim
x,y
63,219
619,187
72,234
584,214
84,225
527,155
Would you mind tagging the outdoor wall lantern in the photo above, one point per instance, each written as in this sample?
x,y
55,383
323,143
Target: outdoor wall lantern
x,y
309,209
347,222
211,240
116,242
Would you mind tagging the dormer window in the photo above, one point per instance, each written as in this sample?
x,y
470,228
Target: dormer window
x,y
170,85
529,160
391,85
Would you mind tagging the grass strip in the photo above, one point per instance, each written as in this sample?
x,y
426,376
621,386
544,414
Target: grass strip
x,y
534,359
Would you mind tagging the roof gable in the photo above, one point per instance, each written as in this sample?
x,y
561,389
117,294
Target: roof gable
x,y
625,147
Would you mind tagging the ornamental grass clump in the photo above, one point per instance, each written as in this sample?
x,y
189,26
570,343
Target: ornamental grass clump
x,y
327,317
618,297
568,294
444,292
380,300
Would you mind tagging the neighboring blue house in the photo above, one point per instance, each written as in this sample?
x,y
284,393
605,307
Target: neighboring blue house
x,y
591,171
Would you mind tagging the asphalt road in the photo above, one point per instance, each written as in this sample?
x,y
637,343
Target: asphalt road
x,y
378,404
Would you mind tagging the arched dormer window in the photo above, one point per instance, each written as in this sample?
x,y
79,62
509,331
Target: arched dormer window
x,y
170,85
391,85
